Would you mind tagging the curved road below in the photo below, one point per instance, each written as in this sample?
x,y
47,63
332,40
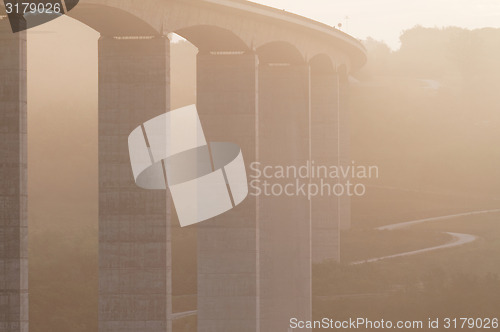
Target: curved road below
x,y
458,239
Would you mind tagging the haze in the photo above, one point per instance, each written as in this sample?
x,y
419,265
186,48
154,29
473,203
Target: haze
x,y
385,19
426,115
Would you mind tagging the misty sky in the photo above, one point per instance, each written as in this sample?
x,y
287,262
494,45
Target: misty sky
x,y
386,19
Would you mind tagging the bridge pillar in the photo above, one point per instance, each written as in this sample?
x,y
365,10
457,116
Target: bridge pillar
x,y
13,182
227,244
345,143
324,152
134,242
284,221
254,262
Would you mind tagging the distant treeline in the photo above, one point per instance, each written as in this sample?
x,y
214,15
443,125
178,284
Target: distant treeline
x,y
429,113
438,53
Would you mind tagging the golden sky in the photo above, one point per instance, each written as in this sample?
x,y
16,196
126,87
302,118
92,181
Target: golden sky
x,y
386,19
382,19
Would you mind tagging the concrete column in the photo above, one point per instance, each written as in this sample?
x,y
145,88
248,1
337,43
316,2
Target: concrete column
x,y
227,245
134,243
345,144
284,221
324,153
13,182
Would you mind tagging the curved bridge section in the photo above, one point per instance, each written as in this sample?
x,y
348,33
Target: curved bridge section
x,y
272,82
220,25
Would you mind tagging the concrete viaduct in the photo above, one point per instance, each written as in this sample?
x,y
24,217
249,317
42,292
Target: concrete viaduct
x,y
273,82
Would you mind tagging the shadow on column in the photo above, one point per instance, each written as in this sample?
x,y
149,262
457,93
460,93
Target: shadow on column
x,y
13,182
324,153
134,242
345,142
227,244
284,221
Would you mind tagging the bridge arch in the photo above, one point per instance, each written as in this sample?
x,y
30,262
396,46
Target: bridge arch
x,y
209,38
279,52
322,63
112,21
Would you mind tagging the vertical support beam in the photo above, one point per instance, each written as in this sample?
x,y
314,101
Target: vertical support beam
x,y
227,245
284,221
345,143
324,153
13,182
134,246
